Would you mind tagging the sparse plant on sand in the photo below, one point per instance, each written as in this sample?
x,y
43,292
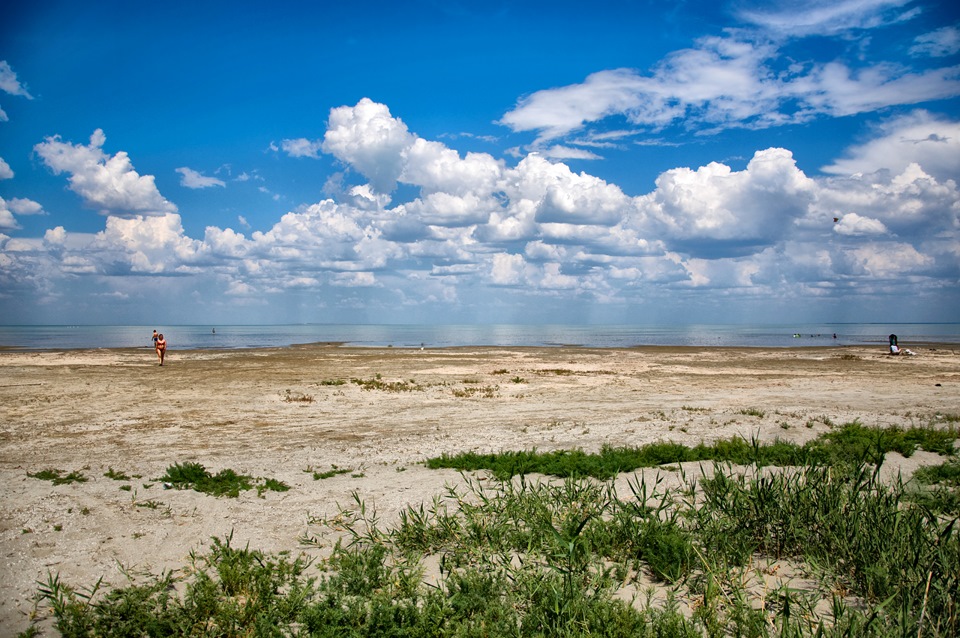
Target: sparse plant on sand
x,y
291,396
224,483
57,477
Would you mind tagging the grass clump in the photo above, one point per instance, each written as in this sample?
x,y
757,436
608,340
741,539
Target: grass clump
x,y
333,471
115,475
290,396
939,487
484,392
57,477
377,383
226,482
850,444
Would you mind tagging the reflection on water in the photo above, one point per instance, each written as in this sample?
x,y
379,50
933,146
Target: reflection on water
x,y
438,336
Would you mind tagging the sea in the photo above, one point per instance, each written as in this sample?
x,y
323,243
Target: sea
x,y
441,336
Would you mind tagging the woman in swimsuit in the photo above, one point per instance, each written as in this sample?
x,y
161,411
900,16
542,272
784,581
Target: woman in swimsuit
x,y
161,347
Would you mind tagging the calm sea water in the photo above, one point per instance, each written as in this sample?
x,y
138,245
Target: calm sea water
x,y
438,336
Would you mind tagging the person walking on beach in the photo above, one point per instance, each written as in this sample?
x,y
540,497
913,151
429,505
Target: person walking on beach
x,y
154,339
161,344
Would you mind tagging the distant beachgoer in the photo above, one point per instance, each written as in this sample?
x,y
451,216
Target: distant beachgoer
x,y
154,339
894,345
161,348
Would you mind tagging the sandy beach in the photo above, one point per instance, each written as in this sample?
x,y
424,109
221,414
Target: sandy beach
x,y
287,413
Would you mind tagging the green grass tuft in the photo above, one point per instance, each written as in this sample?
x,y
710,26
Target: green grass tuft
x,y
224,483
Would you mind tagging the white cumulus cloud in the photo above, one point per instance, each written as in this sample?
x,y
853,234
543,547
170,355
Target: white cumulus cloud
x,y
930,141
108,183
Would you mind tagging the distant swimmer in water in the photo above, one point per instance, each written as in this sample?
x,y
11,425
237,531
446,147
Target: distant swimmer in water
x,y
161,348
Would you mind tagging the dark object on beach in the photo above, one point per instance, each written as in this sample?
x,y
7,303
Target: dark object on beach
x,y
893,340
939,386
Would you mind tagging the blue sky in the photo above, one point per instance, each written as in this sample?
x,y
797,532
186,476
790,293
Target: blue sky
x,y
479,162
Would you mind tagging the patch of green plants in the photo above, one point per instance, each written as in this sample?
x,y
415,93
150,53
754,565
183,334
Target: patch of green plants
x,y
938,487
297,397
561,558
849,444
688,408
377,383
226,482
57,477
562,372
485,391
333,471
115,475
753,412
333,382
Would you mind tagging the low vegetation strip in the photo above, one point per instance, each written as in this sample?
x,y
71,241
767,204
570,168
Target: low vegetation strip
x,y
565,558
852,443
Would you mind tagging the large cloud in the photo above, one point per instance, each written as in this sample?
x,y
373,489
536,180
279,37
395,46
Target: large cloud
x,y
740,80
107,183
475,227
714,211
930,141
369,139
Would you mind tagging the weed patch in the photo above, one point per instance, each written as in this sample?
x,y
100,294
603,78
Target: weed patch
x,y
851,444
552,558
224,483
115,475
377,383
57,477
289,396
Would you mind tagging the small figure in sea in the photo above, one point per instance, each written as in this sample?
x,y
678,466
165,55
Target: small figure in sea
x,y
161,348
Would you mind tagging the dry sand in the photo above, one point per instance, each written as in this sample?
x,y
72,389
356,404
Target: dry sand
x,y
275,413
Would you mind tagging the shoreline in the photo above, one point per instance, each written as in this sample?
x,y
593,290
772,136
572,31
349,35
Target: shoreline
x,y
288,412
928,345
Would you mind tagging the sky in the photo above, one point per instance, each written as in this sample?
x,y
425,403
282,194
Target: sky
x,y
479,162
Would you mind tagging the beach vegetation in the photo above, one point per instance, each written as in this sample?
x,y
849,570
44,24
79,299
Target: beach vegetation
x,y
226,482
821,550
851,444
333,471
115,475
377,383
485,391
753,412
333,382
291,396
57,477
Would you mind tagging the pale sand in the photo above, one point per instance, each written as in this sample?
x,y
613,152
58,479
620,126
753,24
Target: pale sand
x,y
93,410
